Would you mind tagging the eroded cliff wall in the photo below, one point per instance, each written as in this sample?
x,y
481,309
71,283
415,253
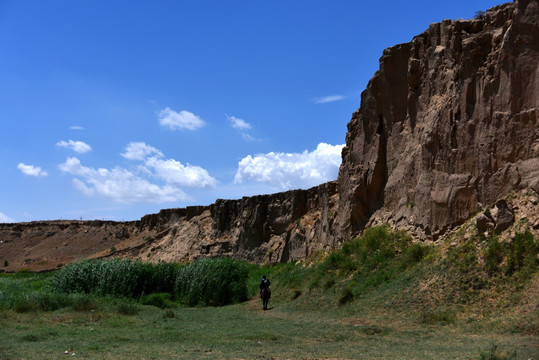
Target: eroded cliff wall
x,y
448,124
267,228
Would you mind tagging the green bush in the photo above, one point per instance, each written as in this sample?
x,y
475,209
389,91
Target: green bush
x,y
213,282
24,305
415,253
442,317
37,301
494,255
160,300
84,302
374,258
116,277
346,296
163,278
523,255
127,307
519,257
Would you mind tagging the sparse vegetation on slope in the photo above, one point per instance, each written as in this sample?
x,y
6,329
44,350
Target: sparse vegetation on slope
x,y
379,290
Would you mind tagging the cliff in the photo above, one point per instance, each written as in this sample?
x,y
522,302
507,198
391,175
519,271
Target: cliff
x,y
267,228
447,126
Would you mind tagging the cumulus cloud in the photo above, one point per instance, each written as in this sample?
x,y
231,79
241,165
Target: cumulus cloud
x,y
5,219
328,99
126,186
285,171
179,120
140,151
119,184
174,172
238,123
31,170
79,147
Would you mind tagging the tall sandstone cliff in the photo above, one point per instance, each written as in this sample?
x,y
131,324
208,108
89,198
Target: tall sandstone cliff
x,y
446,126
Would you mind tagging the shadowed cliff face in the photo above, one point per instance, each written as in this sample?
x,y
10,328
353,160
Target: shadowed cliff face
x,y
448,124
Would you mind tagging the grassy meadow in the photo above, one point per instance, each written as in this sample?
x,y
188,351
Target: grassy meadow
x,y
379,297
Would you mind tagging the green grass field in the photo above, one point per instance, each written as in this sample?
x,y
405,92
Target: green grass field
x,y
357,303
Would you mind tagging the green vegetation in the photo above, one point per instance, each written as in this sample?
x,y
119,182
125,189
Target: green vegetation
x,y
495,354
203,282
116,277
379,295
212,282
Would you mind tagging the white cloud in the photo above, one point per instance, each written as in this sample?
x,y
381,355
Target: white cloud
x,y
119,184
76,127
285,171
174,172
182,120
5,219
126,186
31,170
328,99
77,146
238,123
169,170
247,137
140,151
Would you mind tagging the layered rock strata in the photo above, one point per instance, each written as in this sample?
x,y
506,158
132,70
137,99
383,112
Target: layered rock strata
x,y
448,124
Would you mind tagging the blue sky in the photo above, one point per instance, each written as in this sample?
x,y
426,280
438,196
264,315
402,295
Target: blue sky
x,y
117,109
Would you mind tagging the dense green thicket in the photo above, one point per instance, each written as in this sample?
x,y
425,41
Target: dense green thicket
x,y
212,282
218,281
116,277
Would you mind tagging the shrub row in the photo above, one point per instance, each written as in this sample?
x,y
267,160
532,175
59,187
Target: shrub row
x,y
212,282
204,282
116,277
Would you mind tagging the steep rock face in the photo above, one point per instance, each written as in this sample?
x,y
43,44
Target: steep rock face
x,y
267,228
277,228
447,124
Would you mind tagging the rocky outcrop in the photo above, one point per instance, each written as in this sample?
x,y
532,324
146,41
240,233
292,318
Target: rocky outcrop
x,y
266,228
447,124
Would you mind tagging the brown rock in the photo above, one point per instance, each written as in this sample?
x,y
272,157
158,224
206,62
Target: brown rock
x,y
448,122
484,223
502,215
